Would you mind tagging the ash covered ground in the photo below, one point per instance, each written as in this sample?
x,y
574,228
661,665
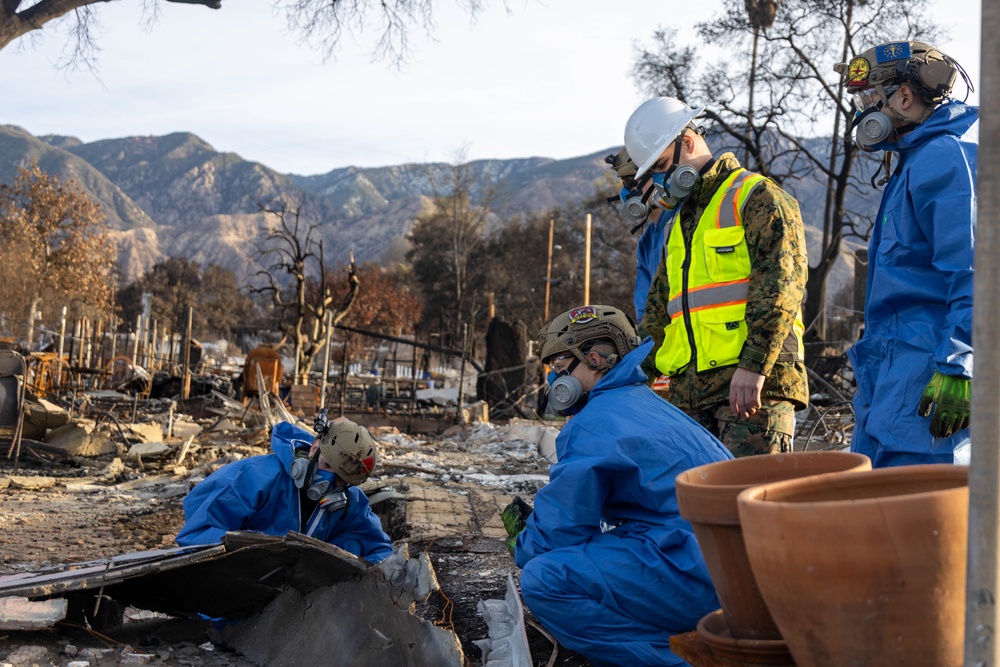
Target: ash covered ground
x,y
442,496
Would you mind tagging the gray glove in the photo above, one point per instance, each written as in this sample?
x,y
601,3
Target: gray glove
x,y
412,579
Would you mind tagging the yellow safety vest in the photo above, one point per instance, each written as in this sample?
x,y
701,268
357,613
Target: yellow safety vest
x,y
707,307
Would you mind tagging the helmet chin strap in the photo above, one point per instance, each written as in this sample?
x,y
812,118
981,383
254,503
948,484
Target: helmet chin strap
x,y
573,364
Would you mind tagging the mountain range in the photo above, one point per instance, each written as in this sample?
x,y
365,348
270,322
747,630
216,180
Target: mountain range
x,y
176,196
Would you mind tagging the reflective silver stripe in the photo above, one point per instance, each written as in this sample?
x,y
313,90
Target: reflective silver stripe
x,y
726,215
710,296
674,307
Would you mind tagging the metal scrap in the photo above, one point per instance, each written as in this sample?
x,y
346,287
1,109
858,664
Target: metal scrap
x,y
291,600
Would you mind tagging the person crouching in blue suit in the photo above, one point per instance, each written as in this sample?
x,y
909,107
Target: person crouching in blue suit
x,y
609,567
306,484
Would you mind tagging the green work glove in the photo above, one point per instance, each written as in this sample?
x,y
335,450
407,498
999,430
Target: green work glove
x,y
950,396
515,517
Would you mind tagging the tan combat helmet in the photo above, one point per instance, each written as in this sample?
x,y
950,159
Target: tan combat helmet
x,y
575,328
350,450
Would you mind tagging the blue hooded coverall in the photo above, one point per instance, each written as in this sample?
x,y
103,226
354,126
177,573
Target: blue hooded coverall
x,y
258,494
918,305
648,253
616,597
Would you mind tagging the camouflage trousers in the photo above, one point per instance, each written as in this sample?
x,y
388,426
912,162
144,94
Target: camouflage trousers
x,y
769,431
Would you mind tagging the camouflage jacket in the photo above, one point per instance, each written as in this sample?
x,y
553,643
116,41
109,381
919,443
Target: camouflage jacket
x,y
780,265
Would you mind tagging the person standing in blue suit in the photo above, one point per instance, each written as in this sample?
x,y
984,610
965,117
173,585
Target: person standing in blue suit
x,y
650,221
914,363
306,484
609,567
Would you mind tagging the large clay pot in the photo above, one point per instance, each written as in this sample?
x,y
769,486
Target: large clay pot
x,y
865,569
706,496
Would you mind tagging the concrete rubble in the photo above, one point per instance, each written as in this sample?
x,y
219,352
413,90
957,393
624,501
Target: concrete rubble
x,y
20,613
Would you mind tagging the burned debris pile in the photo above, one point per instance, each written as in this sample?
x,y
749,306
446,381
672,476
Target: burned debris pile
x,y
91,484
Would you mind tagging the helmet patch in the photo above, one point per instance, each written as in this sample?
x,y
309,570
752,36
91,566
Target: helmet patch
x,y
892,51
582,314
857,72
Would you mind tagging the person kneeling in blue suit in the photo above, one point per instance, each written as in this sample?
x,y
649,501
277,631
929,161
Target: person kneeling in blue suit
x,y
609,567
306,484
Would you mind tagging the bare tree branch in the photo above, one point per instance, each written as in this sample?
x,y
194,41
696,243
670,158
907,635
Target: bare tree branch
x,y
321,23
293,247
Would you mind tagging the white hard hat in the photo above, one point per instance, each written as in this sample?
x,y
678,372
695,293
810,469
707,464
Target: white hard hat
x,y
652,127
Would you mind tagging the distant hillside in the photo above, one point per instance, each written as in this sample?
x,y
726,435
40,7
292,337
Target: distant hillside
x,y
18,148
175,195
529,184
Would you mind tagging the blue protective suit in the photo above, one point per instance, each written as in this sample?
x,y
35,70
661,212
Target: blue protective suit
x,y
616,597
258,494
918,306
648,253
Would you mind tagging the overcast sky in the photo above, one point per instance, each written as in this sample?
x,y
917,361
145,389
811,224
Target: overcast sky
x,y
546,78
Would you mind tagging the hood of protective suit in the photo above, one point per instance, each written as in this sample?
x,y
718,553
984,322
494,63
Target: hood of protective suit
x,y
285,438
951,117
625,372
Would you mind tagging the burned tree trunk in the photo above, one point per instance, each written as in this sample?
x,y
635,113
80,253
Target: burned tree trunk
x,y
503,382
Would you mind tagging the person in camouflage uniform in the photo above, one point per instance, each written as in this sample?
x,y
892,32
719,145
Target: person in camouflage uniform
x,y
748,401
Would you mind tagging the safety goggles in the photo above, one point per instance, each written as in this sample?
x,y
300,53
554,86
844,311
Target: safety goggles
x,y
559,360
876,97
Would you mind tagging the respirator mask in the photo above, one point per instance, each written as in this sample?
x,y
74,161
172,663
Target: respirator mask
x,y
320,485
670,187
633,206
871,126
566,395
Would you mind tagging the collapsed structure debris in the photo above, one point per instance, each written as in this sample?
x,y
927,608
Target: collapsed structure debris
x,y
135,456
277,596
507,645
119,452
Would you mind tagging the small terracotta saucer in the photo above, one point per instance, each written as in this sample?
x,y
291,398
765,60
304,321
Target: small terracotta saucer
x,y
712,628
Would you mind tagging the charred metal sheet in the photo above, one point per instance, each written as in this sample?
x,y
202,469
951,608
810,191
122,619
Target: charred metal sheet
x,y
354,624
105,572
233,579
292,599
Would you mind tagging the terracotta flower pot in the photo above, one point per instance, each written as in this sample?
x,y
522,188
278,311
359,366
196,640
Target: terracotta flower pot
x,y
864,569
706,496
